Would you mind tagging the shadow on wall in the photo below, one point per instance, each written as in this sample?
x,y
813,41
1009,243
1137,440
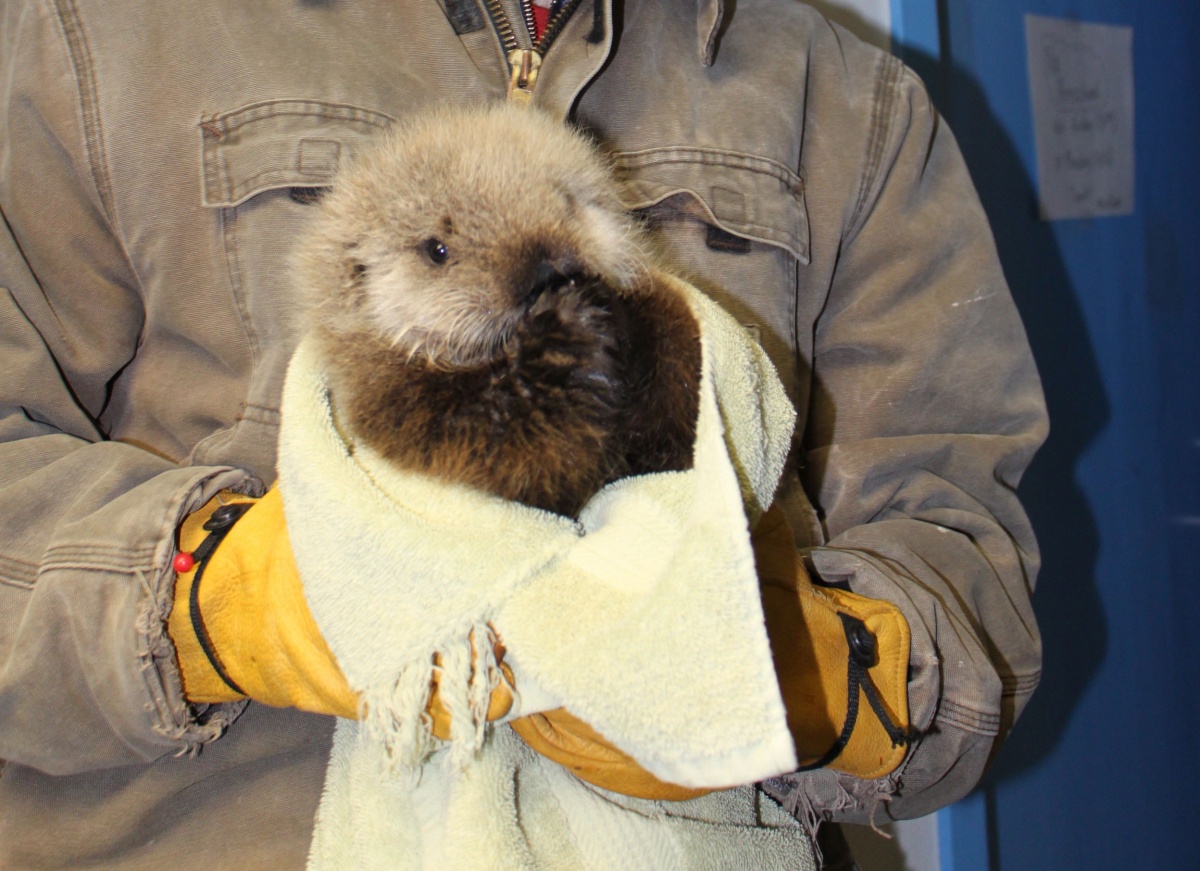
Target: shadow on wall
x,y
1066,603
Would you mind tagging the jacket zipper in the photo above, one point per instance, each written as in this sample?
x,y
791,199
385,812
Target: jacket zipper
x,y
524,63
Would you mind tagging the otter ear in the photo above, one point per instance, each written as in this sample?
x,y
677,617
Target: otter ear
x,y
569,198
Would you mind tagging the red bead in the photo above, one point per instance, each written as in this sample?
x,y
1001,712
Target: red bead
x,y
184,563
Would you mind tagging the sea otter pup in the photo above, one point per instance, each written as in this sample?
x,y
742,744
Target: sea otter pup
x,y
486,311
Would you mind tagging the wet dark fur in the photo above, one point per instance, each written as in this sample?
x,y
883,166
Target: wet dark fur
x,y
593,385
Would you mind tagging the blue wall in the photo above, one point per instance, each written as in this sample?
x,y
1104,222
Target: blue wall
x,y
1101,771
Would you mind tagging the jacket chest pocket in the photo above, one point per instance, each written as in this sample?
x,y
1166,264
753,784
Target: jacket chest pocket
x,y
264,166
734,225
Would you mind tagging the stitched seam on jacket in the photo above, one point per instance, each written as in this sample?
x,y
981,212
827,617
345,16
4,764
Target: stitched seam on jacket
x,y
710,157
967,719
96,557
233,269
1020,684
766,230
771,235
89,106
16,572
274,177
794,323
883,103
231,121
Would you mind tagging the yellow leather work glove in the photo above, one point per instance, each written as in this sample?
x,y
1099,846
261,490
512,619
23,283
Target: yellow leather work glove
x,y
561,736
812,632
251,608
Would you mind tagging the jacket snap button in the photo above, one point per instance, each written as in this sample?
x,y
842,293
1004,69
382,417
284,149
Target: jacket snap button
x,y
862,644
224,517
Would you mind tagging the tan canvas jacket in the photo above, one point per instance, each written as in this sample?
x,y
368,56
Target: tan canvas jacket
x,y
155,164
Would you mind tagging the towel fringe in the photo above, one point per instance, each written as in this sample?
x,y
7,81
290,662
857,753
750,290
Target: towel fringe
x,y
485,677
397,716
465,690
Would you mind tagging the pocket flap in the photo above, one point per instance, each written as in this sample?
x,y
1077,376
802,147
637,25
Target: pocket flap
x,y
752,197
280,144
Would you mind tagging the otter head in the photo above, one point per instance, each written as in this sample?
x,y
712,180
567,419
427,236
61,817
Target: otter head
x,y
439,239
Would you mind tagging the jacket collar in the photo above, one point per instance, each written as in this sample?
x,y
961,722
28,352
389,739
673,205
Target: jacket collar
x,y
710,15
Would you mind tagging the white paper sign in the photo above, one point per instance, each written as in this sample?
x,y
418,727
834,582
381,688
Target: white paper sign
x,y
1081,81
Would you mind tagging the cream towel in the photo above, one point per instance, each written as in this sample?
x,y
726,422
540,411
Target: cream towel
x,y
643,618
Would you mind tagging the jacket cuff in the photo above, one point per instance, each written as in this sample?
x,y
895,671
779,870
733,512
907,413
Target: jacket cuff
x,y
90,678
183,723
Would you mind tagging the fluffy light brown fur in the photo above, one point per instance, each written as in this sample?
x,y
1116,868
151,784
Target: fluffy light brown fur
x,y
486,313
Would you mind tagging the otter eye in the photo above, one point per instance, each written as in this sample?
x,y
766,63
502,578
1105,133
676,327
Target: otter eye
x,y
436,251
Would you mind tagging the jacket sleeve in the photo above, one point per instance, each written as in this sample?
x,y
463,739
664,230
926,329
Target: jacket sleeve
x,y
87,523
926,410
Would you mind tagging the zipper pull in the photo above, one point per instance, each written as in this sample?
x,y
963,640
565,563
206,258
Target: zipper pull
x,y
523,64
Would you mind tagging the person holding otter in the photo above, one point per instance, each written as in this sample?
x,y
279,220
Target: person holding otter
x,y
157,165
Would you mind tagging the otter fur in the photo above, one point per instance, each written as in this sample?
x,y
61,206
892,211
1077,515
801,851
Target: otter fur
x,y
486,313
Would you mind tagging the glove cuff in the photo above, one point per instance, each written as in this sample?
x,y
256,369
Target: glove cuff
x,y
841,660
202,682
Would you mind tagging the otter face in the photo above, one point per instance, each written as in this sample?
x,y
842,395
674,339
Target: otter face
x,y
453,288
440,239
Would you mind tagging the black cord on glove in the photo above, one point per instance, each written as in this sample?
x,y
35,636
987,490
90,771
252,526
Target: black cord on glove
x,y
218,526
859,661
